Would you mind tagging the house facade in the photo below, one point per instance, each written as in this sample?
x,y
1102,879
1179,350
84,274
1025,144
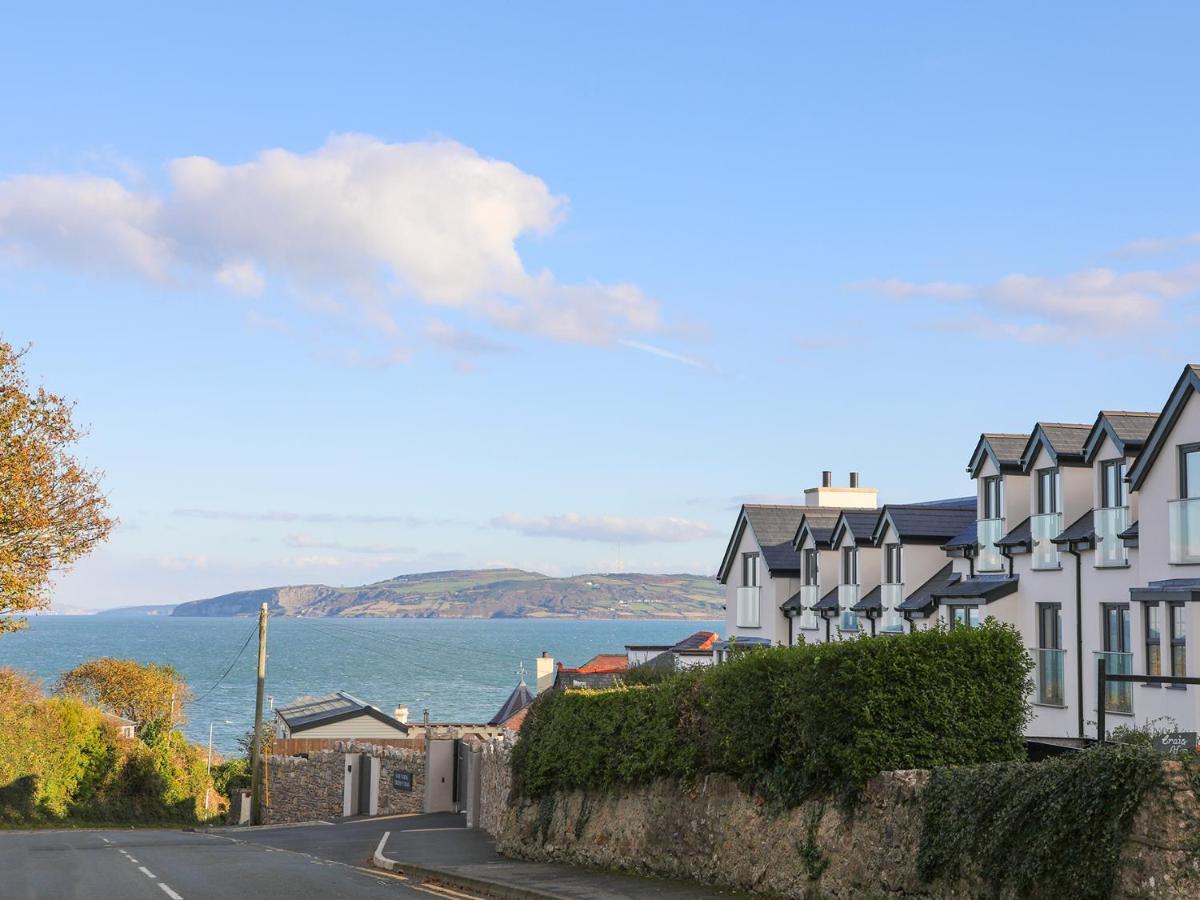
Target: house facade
x,y
1084,536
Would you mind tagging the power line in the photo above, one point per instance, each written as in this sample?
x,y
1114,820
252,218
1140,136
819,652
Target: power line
x,y
229,668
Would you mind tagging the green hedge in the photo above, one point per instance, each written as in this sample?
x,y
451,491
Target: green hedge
x,y
792,722
1050,829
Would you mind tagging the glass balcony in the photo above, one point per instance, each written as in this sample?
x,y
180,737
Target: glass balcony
x,y
808,596
988,532
1049,667
1110,549
1118,695
1184,530
847,597
892,621
747,607
1044,529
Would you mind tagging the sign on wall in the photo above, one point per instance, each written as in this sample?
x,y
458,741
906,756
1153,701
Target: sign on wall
x,y
402,781
1175,742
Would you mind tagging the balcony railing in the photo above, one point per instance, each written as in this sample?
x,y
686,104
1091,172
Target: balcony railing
x,y
892,620
1184,533
747,607
988,532
1110,549
1049,668
1043,529
808,597
1118,695
847,597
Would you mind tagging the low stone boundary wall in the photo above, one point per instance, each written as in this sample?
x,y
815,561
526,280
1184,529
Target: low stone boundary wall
x,y
303,788
714,833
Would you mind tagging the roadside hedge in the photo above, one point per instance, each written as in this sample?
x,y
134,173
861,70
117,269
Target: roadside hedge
x,y
791,722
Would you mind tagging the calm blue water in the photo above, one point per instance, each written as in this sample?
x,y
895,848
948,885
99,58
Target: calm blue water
x,y
460,669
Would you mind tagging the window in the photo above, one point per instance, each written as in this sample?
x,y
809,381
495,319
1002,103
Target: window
x,y
849,565
811,573
1116,629
1050,656
993,497
750,570
1153,640
1117,656
966,616
1047,491
1189,471
1178,640
1112,483
891,564
1050,626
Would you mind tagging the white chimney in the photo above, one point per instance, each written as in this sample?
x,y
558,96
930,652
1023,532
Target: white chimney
x,y
401,714
851,497
544,672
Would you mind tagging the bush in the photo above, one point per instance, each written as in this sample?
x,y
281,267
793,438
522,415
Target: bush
x,y
1048,829
791,722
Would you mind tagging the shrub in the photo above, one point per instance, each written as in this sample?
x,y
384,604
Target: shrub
x,y
791,722
1048,829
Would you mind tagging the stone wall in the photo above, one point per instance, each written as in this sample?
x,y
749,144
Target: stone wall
x,y
305,788
713,832
495,784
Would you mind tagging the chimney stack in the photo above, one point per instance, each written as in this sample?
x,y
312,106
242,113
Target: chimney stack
x,y
543,672
854,496
401,714
827,478
853,479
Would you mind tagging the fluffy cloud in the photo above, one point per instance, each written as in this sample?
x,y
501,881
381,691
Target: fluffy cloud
x,y
1051,309
357,224
605,528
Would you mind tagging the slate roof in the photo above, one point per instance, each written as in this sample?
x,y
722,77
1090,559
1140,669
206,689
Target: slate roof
x,y
968,537
926,523
1131,427
861,524
820,521
1067,438
922,597
872,601
774,527
517,701
1130,533
829,601
982,587
1006,449
1082,529
1021,536
950,503
334,708
1187,589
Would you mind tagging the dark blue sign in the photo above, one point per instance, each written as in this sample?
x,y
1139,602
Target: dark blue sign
x,y
1176,742
402,781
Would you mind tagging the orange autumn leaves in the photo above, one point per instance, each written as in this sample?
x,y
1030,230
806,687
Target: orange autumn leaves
x,y
52,510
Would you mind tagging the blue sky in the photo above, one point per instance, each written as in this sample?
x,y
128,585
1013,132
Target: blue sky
x,y
349,294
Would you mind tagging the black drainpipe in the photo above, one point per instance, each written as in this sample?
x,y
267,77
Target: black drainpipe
x,y
1078,630
826,618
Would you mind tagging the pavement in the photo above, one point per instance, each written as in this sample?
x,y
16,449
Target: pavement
x,y
385,857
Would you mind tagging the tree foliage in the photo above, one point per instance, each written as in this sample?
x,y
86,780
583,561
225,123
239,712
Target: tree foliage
x,y
52,511
151,694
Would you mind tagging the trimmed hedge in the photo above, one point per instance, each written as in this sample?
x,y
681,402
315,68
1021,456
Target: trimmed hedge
x,y
1040,830
792,722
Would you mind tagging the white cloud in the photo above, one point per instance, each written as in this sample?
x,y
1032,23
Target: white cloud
x,y
241,278
1054,309
605,528
662,353
1152,246
354,226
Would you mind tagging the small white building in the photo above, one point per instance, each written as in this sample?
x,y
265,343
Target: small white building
x,y
338,716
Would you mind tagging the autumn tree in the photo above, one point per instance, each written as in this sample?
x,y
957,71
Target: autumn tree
x,y
143,692
52,511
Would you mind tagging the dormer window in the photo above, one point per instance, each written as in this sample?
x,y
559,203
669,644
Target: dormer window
x,y
1112,517
891,564
811,573
991,525
993,497
1112,484
849,565
1047,491
1046,525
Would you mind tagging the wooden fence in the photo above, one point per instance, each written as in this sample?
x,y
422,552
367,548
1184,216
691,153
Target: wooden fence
x,y
294,746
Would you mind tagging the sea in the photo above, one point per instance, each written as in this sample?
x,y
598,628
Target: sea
x,y
460,670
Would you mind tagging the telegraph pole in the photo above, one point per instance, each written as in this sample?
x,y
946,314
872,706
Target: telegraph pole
x,y
256,747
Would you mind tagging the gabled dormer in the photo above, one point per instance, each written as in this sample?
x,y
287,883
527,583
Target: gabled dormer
x,y
857,561
812,545
996,467
1115,440
1059,487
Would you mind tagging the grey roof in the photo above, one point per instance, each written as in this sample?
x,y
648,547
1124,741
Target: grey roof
x,y
1082,529
873,600
1188,382
1187,589
968,537
950,502
1128,431
334,708
922,597
517,701
981,587
1021,536
860,523
774,527
1005,449
829,601
1130,533
1065,442
820,521
926,523
792,603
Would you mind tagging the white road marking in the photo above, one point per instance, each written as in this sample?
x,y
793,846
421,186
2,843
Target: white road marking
x,y
147,872
170,893
131,859
106,840
382,841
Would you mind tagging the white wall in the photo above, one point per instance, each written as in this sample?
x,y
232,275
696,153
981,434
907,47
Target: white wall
x,y
773,591
360,726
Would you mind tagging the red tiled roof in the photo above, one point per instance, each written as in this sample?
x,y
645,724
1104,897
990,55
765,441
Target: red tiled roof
x,y
601,664
701,640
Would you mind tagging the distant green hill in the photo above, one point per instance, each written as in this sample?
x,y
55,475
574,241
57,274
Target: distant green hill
x,y
484,594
